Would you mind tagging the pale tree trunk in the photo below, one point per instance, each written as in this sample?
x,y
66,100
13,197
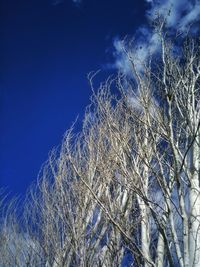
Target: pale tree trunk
x,y
194,200
144,232
145,235
160,251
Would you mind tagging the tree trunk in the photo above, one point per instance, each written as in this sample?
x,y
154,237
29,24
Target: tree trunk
x,y
194,200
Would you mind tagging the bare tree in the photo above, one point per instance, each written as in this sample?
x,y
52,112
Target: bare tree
x,y
125,190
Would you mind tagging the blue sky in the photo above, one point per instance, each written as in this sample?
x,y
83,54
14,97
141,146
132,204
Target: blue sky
x,y
47,49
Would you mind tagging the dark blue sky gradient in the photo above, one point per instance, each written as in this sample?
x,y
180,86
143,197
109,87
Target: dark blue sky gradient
x,y
46,52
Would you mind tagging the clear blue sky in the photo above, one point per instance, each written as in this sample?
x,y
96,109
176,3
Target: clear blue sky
x,y
46,50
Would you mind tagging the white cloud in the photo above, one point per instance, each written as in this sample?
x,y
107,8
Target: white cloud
x,y
192,16
145,45
180,14
122,62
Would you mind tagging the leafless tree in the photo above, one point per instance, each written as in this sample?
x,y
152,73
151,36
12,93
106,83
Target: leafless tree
x,y
124,191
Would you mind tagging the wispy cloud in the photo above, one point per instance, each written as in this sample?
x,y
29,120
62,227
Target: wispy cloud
x,y
182,14
145,43
57,2
77,2
121,60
